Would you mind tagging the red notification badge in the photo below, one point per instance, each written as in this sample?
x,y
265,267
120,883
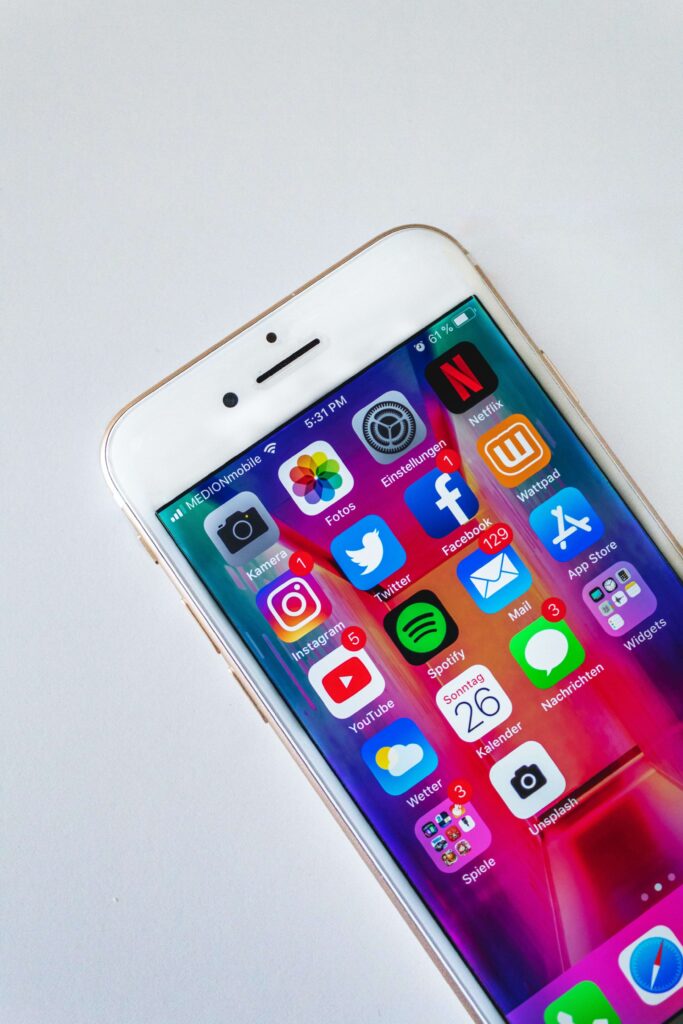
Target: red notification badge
x,y
553,609
354,638
448,460
460,791
495,538
301,563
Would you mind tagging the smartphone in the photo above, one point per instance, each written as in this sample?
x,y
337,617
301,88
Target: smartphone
x,y
434,580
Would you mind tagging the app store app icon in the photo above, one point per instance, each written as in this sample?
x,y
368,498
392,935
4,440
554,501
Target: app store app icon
x,y
566,524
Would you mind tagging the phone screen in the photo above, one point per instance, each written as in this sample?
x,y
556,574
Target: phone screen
x,y
484,644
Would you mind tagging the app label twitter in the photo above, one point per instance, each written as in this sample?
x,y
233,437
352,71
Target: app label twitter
x,y
368,552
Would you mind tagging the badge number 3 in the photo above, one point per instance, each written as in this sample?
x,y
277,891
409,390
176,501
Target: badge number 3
x,y
474,703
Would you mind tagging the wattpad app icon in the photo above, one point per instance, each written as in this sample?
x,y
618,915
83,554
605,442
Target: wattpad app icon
x,y
461,377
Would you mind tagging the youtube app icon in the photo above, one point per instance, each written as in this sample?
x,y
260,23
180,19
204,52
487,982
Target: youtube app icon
x,y
346,681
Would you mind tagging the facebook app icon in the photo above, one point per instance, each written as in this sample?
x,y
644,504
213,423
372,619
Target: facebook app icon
x,y
441,502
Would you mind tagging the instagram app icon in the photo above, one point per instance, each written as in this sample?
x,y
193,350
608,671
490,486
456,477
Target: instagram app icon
x,y
293,605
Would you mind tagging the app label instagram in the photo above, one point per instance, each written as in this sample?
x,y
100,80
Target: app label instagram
x,y
293,605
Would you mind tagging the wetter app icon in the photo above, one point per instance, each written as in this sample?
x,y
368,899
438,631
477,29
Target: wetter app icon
x,y
368,552
399,756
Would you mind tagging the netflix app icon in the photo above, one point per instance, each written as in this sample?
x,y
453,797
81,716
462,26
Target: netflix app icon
x,y
461,377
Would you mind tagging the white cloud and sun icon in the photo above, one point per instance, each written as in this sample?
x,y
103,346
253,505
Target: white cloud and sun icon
x,y
399,758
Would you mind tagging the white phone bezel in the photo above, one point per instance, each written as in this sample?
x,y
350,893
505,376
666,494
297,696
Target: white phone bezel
x,y
179,432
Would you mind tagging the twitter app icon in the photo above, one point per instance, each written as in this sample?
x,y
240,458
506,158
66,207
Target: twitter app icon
x,y
368,552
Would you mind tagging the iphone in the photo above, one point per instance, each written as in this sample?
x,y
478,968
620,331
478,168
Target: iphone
x,y
432,578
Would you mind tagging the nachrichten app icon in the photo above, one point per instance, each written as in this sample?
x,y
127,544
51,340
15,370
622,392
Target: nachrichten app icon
x,y
461,377
241,528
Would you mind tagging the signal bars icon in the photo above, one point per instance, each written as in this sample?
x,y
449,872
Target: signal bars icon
x,y
178,514
270,448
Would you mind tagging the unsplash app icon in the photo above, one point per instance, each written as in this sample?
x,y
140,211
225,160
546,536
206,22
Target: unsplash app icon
x,y
420,627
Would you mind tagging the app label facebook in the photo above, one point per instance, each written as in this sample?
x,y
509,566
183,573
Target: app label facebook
x,y
441,502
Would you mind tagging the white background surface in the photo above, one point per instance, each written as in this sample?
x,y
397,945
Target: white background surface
x,y
173,169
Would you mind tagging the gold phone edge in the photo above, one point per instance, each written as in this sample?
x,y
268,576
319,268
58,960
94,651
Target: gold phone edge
x,y
217,642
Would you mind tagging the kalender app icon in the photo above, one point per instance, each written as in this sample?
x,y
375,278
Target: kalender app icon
x,y
389,427
293,605
315,478
346,681
566,524
420,627
241,528
399,756
513,450
473,703
584,1003
441,502
527,779
547,652
653,964
461,377
619,598
368,552
493,581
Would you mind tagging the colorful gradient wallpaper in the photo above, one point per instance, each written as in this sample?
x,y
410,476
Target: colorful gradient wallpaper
x,y
485,645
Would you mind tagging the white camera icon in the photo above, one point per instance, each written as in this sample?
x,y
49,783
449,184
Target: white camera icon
x,y
294,604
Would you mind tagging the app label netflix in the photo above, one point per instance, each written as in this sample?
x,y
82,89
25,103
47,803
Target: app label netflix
x,y
346,681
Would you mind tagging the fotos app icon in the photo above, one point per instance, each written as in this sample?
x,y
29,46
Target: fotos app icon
x,y
315,478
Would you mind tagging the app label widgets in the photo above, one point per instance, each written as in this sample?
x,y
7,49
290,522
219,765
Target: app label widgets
x,y
547,652
241,528
399,756
566,524
584,1003
527,779
346,681
293,605
473,703
513,450
420,627
389,427
315,478
654,965
441,502
494,581
452,835
461,377
619,598
368,552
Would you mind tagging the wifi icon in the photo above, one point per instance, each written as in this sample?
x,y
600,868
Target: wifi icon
x,y
421,627
270,448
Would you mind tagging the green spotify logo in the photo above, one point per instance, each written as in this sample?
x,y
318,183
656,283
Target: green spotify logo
x,y
420,627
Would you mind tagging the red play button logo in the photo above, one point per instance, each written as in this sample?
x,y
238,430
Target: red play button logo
x,y
346,681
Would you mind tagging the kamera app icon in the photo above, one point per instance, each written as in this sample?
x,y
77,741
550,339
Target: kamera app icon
x,y
389,426
527,779
241,528
293,605
421,627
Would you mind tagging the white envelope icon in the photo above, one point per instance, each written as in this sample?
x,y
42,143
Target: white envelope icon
x,y
494,575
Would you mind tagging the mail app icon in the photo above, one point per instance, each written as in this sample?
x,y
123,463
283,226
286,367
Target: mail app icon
x,y
494,581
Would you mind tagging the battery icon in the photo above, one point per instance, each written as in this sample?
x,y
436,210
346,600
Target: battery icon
x,y
467,314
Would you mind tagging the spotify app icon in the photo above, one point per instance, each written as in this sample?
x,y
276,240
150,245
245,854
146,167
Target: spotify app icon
x,y
421,627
